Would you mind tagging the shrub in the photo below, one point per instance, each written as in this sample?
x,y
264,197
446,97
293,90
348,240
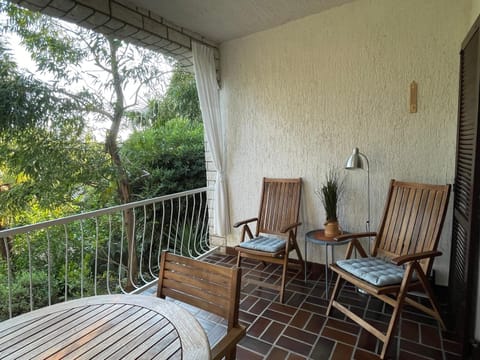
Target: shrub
x,y
21,293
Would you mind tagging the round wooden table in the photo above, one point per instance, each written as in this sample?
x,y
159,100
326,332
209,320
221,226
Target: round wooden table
x,y
116,326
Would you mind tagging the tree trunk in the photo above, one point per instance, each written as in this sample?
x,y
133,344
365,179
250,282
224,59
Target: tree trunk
x,y
123,183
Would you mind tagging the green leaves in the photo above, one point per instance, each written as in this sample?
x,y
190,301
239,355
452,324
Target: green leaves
x,y
21,293
92,79
50,169
179,101
26,102
331,192
171,154
52,44
44,125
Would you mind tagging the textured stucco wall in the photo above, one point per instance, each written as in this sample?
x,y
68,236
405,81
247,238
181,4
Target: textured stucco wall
x,y
298,98
475,10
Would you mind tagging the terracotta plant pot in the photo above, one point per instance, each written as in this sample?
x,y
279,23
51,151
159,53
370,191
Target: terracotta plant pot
x,y
332,228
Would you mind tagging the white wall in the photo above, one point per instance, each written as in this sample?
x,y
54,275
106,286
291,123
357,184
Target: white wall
x,y
299,97
475,10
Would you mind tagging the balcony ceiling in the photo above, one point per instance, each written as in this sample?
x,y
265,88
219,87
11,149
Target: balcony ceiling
x,y
223,20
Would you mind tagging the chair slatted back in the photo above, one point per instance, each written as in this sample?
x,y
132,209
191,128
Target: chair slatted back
x,y
210,287
412,220
280,205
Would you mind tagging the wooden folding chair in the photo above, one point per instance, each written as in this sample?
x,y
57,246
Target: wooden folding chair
x,y
210,287
276,232
402,258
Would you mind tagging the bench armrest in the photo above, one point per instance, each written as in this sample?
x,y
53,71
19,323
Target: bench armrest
x,y
228,342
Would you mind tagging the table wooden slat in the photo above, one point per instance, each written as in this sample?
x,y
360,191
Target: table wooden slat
x,y
128,343
30,327
92,336
165,352
68,331
162,336
37,334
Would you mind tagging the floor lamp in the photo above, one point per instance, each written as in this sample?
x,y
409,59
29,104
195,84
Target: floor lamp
x,y
357,160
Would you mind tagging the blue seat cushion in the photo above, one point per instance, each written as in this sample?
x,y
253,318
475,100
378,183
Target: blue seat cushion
x,y
266,243
375,271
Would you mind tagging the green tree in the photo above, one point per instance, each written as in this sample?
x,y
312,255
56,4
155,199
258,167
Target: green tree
x,y
43,150
166,158
179,101
71,55
43,161
169,157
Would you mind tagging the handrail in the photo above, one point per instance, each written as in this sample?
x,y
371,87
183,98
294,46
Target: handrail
x,y
109,210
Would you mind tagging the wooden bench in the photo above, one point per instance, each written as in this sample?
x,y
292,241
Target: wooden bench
x,y
210,287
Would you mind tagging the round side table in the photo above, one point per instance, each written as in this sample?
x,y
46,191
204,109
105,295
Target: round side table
x,y
318,237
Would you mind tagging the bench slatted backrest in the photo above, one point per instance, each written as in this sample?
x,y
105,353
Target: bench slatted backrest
x,y
213,288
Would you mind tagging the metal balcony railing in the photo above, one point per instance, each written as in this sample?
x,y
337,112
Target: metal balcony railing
x,y
89,254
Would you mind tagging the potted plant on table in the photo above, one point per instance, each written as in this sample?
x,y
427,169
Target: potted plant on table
x,y
330,193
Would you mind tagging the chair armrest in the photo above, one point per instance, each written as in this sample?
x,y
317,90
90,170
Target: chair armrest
x,y
245,228
400,260
243,222
355,236
233,336
290,227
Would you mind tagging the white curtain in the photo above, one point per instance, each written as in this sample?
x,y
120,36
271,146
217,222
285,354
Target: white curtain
x,y
208,94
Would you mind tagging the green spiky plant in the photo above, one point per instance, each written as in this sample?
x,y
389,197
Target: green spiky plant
x,y
331,192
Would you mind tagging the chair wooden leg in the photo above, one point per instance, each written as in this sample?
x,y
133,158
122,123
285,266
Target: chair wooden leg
x,y
336,290
435,312
239,259
284,276
397,309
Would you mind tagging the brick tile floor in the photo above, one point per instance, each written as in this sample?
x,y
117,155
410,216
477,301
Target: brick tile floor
x,y
299,329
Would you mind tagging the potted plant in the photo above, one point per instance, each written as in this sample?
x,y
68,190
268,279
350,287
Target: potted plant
x,y
330,193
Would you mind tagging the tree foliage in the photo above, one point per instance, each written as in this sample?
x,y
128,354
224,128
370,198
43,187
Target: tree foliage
x,y
44,154
93,71
166,158
60,137
28,103
104,76
179,101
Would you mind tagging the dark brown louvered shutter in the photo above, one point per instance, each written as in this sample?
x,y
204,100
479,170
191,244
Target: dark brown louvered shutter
x,y
463,277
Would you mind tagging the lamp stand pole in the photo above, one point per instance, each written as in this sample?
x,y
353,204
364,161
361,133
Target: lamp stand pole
x,y
368,203
355,161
